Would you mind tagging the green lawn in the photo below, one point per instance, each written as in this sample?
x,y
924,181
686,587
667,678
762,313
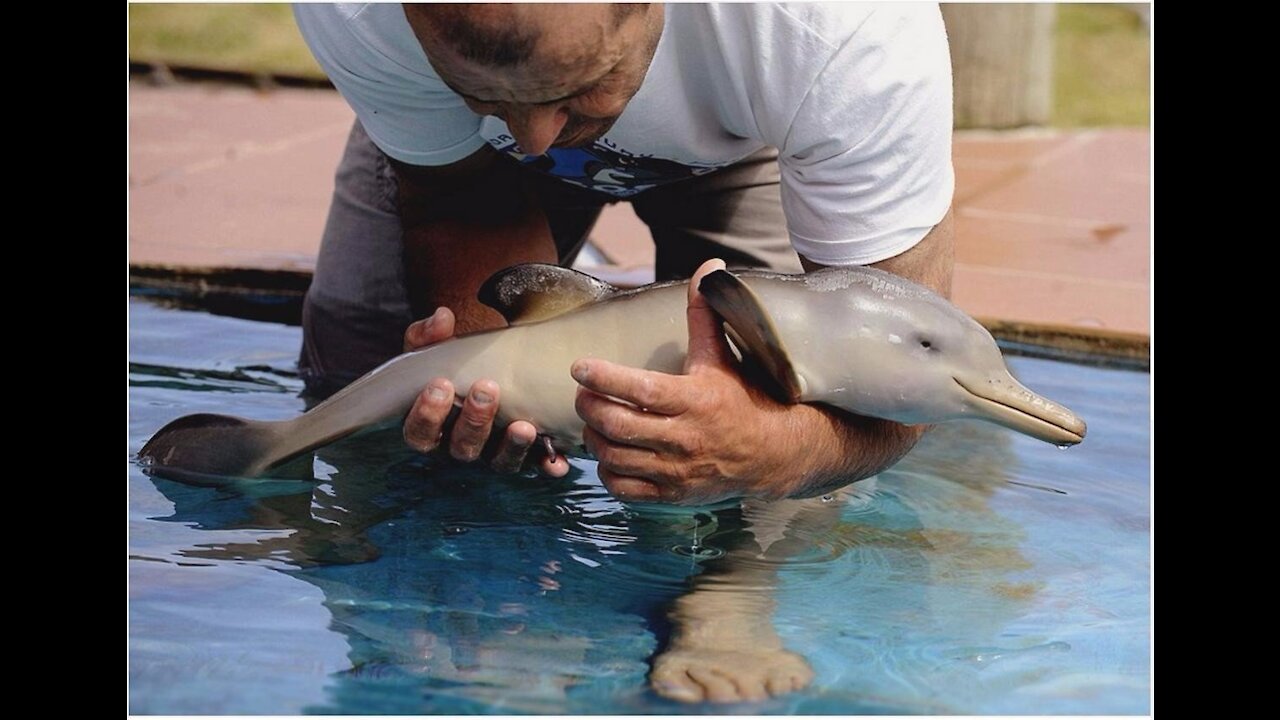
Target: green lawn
x,y
1102,60
1102,67
249,38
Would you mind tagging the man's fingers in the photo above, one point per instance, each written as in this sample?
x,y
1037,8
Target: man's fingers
x,y
425,422
630,489
475,422
623,423
429,330
707,345
514,447
630,461
557,468
518,441
705,269
630,473
650,391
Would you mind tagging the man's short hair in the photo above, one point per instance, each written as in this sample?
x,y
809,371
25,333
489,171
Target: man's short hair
x,y
485,43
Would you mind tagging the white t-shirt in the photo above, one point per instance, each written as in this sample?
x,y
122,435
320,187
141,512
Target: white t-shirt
x,y
856,98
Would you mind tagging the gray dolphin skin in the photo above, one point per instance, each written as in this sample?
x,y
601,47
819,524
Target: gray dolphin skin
x,y
857,339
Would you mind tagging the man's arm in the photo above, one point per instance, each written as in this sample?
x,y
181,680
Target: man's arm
x,y
723,437
457,234
931,262
455,237
873,444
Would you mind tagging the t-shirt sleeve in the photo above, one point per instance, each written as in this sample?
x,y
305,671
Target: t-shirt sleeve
x,y
404,107
866,165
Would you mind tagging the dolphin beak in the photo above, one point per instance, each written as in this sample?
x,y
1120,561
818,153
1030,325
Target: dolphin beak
x,y
1006,402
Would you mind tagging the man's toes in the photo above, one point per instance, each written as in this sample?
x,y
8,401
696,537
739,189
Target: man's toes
x,y
779,683
802,677
716,687
788,678
751,687
674,683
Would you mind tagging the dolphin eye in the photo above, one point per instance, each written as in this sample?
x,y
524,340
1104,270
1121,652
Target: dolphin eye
x,y
926,344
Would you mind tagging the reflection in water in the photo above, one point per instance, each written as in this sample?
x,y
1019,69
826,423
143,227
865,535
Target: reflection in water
x,y
488,590
931,589
478,594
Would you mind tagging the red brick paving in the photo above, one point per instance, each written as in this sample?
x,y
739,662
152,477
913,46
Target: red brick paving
x,y
228,177
1055,231
1053,227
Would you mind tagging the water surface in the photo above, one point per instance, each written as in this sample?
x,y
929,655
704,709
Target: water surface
x,y
987,573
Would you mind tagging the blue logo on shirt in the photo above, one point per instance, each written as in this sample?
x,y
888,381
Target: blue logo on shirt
x,y
603,167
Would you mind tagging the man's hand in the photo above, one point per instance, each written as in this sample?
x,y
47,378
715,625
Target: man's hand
x,y
425,426
698,437
709,435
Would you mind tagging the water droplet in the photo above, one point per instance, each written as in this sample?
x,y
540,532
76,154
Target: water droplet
x,y
1063,446
698,552
456,529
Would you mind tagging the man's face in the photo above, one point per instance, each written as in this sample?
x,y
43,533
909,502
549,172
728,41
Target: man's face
x,y
584,69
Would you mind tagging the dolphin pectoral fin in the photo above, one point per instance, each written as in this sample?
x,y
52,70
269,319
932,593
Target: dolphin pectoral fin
x,y
752,330
534,292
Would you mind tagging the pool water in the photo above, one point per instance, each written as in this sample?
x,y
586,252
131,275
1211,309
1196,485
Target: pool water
x,y
987,573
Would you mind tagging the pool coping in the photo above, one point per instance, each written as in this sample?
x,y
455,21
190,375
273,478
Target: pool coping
x,y
161,73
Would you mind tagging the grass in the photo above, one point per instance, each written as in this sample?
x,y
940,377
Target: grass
x,y
260,39
1102,66
1101,70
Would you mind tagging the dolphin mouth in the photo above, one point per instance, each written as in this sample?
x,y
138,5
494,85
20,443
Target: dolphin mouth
x,y
1007,402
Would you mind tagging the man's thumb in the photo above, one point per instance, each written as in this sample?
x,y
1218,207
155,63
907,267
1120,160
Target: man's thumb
x,y
707,345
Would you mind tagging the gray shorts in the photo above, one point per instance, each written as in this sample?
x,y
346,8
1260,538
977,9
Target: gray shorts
x,y
355,313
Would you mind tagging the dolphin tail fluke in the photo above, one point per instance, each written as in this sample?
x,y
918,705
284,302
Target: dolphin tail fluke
x,y
208,445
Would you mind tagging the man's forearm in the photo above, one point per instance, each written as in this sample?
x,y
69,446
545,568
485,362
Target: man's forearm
x,y
843,448
446,261
846,447
457,235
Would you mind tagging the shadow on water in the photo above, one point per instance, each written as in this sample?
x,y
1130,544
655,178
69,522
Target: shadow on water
x,y
457,591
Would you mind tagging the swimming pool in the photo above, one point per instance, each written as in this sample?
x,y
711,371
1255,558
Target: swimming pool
x,y
986,573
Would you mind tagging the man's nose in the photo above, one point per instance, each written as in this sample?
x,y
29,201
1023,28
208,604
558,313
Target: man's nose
x,y
535,128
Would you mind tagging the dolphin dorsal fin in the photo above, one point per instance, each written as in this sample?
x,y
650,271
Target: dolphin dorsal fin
x,y
536,291
749,325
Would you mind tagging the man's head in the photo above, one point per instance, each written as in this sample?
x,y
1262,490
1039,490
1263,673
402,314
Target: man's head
x,y
558,74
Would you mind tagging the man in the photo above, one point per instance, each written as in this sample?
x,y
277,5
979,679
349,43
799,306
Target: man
x,y
491,135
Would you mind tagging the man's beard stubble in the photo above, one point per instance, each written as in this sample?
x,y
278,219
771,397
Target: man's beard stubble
x,y
583,132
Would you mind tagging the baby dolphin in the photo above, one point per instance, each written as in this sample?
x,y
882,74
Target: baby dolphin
x,y
858,339
875,344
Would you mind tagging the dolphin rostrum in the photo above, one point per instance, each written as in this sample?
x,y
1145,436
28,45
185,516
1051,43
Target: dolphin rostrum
x,y
858,339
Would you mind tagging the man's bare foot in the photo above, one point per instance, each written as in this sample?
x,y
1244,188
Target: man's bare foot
x,y
751,675
724,649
